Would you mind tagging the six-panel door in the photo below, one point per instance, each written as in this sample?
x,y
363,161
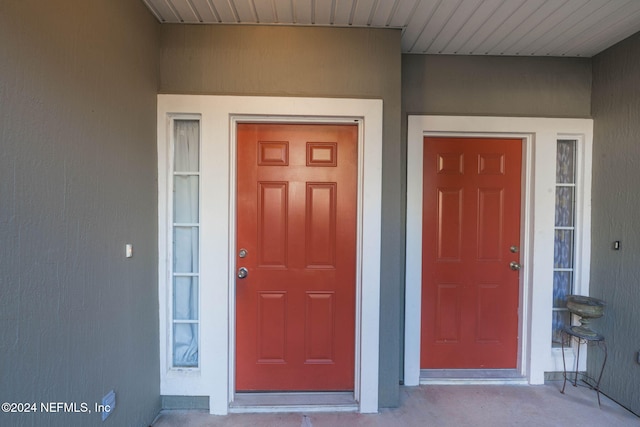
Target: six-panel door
x,y
471,234
296,221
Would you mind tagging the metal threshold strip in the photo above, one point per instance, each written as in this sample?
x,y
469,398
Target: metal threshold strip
x,y
471,376
293,402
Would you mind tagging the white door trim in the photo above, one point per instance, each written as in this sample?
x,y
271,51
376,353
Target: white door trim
x,y
219,115
540,135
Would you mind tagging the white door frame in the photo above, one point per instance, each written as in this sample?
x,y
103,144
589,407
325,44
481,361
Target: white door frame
x,y
536,355
219,117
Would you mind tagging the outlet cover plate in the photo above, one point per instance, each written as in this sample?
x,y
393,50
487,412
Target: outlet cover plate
x,y
108,404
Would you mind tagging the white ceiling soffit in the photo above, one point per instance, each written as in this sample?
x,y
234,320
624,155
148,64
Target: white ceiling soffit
x,y
462,27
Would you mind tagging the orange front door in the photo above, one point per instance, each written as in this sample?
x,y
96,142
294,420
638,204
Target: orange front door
x,y
296,219
471,233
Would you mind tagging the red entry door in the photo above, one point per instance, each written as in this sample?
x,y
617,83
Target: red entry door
x,y
471,221
296,219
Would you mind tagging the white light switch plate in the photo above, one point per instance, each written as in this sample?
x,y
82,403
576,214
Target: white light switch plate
x,y
128,250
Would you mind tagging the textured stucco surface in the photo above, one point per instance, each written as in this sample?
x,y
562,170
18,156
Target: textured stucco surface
x,y
496,86
78,85
314,62
615,275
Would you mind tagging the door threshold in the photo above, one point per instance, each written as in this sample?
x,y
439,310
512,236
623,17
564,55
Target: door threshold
x,y
293,402
471,376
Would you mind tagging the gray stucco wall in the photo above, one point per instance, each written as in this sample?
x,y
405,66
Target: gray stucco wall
x,y
78,85
615,275
496,86
314,62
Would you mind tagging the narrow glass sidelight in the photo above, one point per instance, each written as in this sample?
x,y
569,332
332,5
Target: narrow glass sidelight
x,y
185,225
564,240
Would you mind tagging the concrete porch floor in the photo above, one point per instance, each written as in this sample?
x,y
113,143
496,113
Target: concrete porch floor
x,y
443,406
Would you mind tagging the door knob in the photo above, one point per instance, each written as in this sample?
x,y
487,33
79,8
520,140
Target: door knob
x,y
242,273
515,266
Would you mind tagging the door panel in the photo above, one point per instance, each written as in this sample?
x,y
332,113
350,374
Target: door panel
x,y
273,218
272,337
448,315
321,225
296,217
319,339
449,229
471,218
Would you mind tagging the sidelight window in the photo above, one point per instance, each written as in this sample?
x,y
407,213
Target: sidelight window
x,y
185,233
564,268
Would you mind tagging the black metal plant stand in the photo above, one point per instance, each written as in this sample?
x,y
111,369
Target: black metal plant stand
x,y
570,335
